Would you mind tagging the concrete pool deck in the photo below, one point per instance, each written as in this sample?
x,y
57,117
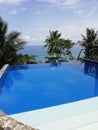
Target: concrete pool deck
x,y
72,116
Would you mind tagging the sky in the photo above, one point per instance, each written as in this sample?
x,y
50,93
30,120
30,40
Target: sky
x,y
35,18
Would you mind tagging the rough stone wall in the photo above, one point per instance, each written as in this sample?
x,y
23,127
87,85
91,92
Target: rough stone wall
x,y
8,123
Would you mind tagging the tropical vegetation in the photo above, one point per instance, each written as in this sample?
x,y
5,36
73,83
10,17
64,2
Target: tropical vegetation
x,y
25,59
10,44
90,44
57,47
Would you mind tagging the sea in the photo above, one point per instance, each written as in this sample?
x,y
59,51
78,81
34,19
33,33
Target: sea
x,y
41,52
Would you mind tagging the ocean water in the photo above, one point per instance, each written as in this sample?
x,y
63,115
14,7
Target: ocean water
x,y
41,52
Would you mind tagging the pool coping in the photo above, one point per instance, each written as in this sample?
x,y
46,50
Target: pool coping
x,y
89,60
70,116
3,69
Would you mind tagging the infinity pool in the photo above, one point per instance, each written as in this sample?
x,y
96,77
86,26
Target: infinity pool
x,y
31,87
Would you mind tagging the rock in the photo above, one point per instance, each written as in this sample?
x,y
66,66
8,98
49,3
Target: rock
x,y
1,123
8,128
2,114
1,128
8,123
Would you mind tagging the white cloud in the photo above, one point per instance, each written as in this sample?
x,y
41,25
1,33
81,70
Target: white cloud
x,y
92,11
27,38
31,39
62,2
70,2
40,12
36,39
37,12
10,1
81,11
13,12
23,9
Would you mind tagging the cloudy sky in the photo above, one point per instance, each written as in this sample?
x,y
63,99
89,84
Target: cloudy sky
x,y
34,18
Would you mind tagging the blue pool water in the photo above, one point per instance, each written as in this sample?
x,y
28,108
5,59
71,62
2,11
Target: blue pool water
x,y
31,87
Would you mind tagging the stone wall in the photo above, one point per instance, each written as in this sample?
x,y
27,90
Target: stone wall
x,y
8,123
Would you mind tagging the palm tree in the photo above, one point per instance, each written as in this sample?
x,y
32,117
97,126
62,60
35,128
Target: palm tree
x,y
9,44
53,44
89,42
58,46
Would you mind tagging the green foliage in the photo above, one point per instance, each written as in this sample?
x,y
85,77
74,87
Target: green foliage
x,y
25,59
90,44
57,46
54,59
68,55
10,43
67,52
53,43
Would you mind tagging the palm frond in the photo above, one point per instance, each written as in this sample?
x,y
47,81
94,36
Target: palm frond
x,y
11,37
